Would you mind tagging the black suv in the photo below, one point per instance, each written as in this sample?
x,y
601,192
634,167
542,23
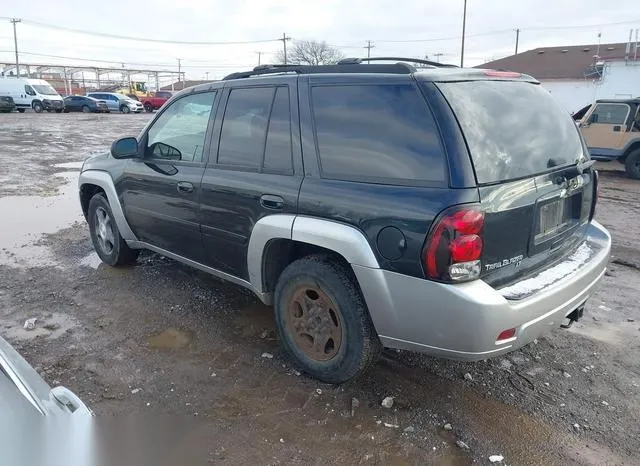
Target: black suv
x,y
441,210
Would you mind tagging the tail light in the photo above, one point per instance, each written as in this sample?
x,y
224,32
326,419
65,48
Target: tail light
x,y
454,246
596,193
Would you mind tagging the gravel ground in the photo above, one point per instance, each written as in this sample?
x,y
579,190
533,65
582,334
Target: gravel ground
x,y
160,338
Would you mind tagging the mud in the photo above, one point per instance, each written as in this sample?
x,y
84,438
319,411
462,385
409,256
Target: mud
x,y
159,338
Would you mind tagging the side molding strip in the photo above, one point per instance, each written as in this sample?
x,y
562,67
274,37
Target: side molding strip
x,y
264,297
103,179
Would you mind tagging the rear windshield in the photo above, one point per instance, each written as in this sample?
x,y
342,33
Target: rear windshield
x,y
513,129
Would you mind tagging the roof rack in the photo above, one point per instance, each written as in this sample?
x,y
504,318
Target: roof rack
x,y
349,61
346,65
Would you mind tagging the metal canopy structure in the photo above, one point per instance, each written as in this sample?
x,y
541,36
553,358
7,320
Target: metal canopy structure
x,y
91,76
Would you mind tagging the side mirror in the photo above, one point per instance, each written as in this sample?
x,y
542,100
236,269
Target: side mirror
x,y
125,148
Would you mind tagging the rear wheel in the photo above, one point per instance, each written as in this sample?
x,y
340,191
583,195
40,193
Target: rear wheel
x,y
21,110
37,107
632,164
124,109
323,321
148,107
58,111
108,243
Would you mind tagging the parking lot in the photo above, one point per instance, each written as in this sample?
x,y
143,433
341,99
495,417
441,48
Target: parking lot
x,y
161,338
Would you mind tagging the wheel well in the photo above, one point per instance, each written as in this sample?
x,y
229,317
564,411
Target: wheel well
x,y
631,148
279,253
87,191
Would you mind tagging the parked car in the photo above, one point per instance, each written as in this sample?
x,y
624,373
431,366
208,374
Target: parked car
x,y
7,105
36,94
23,392
611,129
447,211
156,101
79,103
118,102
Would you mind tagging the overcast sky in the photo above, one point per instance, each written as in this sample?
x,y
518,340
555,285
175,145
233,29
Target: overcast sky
x,y
347,25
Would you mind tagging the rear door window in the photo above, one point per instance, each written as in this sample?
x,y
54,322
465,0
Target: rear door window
x,y
277,153
609,114
377,133
244,127
514,129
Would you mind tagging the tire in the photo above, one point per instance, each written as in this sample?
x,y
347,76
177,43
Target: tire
x,y
66,110
148,107
21,110
124,109
37,107
86,109
336,306
108,243
632,164
58,111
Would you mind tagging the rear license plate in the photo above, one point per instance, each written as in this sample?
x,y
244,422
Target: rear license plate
x,y
552,217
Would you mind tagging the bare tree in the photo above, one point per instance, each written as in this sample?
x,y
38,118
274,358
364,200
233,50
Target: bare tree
x,y
310,52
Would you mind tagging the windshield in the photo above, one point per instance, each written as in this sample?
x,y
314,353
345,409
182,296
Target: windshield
x,y
513,129
44,89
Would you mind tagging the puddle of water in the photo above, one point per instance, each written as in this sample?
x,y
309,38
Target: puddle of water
x,y
26,218
69,165
170,338
52,326
92,260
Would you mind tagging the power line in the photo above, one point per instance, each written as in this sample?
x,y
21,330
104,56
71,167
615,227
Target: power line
x,y
143,39
119,62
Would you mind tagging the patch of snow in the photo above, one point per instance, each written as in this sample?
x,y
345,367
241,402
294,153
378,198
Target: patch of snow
x,y
496,458
92,260
549,276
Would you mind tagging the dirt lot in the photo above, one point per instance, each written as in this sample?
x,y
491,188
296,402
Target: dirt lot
x,y
160,338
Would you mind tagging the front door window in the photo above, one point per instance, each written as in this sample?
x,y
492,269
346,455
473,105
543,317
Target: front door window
x,y
179,132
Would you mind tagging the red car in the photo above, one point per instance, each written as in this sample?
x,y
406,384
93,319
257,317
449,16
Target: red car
x,y
152,103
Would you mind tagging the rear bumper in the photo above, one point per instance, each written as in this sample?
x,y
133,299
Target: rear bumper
x,y
463,321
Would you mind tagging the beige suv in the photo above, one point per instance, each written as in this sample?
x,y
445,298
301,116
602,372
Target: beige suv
x,y
611,129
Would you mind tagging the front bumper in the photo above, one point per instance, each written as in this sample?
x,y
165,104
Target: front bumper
x,y
463,321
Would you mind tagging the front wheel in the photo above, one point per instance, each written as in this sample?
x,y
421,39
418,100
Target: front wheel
x,y
148,107
108,243
86,109
124,109
632,164
37,107
58,111
323,321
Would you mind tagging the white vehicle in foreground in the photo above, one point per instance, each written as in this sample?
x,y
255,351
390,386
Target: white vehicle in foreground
x,y
36,94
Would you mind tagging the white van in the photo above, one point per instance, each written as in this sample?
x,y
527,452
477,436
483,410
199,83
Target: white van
x,y
31,93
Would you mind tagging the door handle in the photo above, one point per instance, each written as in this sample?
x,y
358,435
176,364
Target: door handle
x,y
185,187
269,201
616,129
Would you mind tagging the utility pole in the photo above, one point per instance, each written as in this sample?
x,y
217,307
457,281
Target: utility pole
x,y
369,47
438,55
207,75
517,39
259,58
284,45
464,26
179,68
15,43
